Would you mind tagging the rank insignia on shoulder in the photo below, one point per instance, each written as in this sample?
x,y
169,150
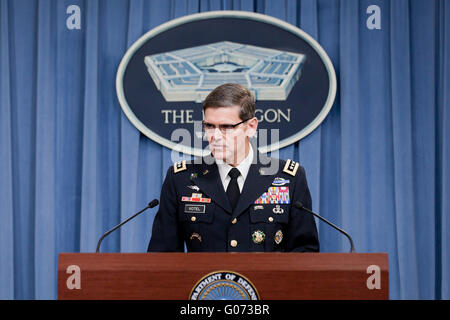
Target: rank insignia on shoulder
x,y
291,167
179,166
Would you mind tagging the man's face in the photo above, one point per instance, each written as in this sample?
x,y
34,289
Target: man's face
x,y
229,146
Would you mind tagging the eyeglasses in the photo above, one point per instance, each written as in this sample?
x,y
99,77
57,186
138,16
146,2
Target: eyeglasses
x,y
224,128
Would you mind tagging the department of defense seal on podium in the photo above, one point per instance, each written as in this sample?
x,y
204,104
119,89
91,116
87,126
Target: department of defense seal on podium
x,y
224,285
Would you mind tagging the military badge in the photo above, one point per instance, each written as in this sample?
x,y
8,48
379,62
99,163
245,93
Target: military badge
x,y
258,236
274,195
194,188
195,235
278,236
193,176
279,181
278,209
258,207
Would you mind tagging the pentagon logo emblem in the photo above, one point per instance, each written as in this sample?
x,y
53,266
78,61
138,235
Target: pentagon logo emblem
x,y
164,76
190,74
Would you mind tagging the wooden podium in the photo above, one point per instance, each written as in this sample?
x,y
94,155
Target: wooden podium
x,y
172,276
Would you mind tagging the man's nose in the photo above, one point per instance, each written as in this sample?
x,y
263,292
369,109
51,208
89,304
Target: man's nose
x,y
217,134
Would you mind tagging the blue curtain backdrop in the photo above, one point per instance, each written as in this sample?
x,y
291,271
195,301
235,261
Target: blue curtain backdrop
x,y
72,165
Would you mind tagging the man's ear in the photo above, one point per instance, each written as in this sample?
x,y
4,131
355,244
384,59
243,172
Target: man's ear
x,y
252,126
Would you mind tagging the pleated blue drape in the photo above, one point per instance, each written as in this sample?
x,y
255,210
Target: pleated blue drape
x,y
72,165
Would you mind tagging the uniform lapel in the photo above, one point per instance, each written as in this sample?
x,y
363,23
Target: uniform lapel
x,y
256,183
209,182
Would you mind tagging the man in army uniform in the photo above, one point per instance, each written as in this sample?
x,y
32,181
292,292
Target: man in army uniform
x,y
233,200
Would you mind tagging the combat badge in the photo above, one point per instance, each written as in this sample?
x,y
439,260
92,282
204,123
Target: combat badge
x,y
279,181
258,236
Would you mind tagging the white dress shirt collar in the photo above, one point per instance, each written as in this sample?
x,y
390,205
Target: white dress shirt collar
x,y
243,168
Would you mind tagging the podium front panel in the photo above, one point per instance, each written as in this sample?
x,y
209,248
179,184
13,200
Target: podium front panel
x,y
173,276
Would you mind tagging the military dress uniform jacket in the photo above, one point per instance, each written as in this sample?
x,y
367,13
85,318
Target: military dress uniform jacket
x,y
194,209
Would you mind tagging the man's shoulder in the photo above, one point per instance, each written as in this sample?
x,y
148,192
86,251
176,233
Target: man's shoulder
x,y
268,166
188,167
181,167
288,167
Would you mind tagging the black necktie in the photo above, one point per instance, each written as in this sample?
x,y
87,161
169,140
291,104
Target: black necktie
x,y
233,192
